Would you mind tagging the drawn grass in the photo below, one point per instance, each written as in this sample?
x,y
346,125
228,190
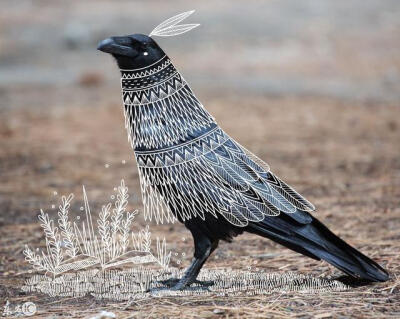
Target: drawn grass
x,y
75,246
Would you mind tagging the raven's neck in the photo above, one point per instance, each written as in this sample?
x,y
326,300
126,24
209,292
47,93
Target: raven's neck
x,y
160,109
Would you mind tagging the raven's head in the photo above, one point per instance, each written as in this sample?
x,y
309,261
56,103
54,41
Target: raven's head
x,y
138,50
132,51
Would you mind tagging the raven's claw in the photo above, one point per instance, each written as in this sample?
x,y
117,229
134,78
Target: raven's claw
x,y
169,282
179,284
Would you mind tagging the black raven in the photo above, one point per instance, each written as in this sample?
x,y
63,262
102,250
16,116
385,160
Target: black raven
x,y
192,171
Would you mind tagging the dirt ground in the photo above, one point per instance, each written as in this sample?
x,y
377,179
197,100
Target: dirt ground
x,y
326,122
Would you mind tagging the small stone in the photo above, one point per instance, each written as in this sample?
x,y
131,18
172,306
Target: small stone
x,y
218,311
104,315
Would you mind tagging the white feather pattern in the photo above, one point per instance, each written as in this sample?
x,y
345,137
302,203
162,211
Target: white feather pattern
x,y
170,27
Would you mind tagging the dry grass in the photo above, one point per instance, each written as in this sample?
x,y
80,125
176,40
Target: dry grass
x,y
342,156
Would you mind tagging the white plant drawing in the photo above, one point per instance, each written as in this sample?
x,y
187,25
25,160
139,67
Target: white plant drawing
x,y
76,245
82,261
170,27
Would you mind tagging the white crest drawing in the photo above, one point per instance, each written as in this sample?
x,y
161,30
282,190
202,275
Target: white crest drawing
x,y
170,27
76,245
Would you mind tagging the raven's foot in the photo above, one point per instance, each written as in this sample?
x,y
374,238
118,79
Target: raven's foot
x,y
169,282
180,284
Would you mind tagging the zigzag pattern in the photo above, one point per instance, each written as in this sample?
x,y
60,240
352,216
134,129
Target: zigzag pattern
x,y
147,81
148,71
182,153
155,92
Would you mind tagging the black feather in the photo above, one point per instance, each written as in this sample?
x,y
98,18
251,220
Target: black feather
x,y
315,240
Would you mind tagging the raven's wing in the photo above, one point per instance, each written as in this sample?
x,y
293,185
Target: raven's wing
x,y
218,177
258,190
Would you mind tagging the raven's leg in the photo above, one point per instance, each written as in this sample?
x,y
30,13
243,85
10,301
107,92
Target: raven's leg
x,y
203,247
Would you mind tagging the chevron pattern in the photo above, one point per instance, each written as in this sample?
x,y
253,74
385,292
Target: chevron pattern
x,y
182,152
147,71
213,175
153,93
148,81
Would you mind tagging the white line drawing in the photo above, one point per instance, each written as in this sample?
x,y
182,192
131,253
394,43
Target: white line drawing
x,y
142,283
170,27
76,245
192,171
82,261
161,112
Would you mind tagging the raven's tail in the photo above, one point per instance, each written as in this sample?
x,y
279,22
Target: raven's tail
x,y
310,237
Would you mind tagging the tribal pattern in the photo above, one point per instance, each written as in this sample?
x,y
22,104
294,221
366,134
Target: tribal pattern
x,y
183,152
188,166
160,108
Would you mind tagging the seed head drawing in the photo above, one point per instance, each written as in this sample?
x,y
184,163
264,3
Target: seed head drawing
x,y
192,171
76,245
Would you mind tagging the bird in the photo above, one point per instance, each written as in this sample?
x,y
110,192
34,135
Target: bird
x,y
193,172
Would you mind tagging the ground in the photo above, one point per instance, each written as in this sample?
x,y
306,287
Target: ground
x,y
328,124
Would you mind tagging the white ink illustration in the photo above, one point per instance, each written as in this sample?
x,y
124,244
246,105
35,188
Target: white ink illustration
x,y
171,27
76,245
79,260
193,172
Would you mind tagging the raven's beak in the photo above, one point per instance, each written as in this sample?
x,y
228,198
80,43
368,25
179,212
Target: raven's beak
x,y
118,45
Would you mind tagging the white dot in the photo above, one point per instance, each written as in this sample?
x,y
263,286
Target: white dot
x,y
53,206
81,208
78,217
145,53
55,193
107,165
123,161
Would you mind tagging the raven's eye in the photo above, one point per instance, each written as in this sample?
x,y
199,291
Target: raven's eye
x,y
145,53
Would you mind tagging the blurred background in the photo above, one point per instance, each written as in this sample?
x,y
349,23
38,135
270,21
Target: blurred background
x,y
312,87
